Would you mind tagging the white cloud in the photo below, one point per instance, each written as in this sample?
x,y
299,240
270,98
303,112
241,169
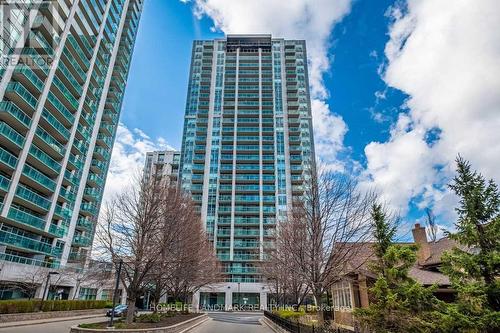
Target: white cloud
x,y
294,19
446,56
129,152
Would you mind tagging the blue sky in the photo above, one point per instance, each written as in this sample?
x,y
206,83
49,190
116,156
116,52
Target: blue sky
x,y
391,86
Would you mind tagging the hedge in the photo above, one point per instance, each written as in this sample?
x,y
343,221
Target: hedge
x,y
35,305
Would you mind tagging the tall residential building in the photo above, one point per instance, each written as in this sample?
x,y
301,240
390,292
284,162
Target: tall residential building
x,y
63,74
246,149
163,164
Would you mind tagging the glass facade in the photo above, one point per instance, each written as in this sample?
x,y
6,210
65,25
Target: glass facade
x,y
62,78
247,143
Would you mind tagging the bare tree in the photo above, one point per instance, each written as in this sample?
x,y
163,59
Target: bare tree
x,y
130,232
319,234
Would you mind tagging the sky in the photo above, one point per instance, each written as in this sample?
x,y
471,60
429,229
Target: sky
x,y
398,88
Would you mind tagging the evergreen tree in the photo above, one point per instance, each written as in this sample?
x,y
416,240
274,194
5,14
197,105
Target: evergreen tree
x,y
398,303
474,266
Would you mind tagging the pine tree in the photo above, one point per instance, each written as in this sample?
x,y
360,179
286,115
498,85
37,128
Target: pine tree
x,y
398,303
474,266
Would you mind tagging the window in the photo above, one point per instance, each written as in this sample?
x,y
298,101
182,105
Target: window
x,y
342,296
88,293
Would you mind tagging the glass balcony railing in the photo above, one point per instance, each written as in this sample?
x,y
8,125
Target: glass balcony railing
x,y
95,178
26,218
246,257
71,178
76,161
69,195
64,212
7,158
31,76
39,177
65,91
23,93
60,128
45,159
24,193
11,134
79,51
67,74
23,242
57,231
88,208
15,112
85,224
50,140
4,183
241,270
29,261
60,107
80,240
75,64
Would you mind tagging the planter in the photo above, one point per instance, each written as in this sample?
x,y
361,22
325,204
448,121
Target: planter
x,y
168,329
13,317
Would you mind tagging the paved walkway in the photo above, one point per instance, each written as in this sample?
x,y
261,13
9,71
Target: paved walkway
x,y
55,325
232,322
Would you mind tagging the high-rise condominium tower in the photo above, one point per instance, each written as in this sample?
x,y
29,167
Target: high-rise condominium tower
x,y
247,146
63,73
163,164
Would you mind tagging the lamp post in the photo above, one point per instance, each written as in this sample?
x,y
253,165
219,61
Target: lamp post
x,y
239,296
117,284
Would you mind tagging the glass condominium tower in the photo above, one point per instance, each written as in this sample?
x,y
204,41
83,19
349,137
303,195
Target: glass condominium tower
x,y
247,146
62,79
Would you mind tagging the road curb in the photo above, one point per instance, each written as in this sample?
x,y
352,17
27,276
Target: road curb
x,y
196,325
56,320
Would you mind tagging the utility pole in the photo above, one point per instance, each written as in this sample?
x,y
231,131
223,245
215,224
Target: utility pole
x,y
117,284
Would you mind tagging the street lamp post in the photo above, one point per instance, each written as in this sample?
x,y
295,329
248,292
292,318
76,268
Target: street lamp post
x,y
117,284
239,296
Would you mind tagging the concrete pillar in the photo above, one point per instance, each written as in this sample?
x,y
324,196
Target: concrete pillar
x,y
229,299
263,300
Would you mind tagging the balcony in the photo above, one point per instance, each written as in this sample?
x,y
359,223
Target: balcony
x,y
59,130
4,183
26,75
29,261
63,212
95,179
85,224
17,93
81,241
27,243
88,209
33,199
66,115
47,141
44,162
26,218
38,179
246,257
7,159
241,270
57,231
11,113
68,195
10,137
105,139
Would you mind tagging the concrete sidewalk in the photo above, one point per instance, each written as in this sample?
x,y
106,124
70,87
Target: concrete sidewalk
x,y
48,320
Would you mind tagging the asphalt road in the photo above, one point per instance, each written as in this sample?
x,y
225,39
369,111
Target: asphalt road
x,y
55,327
235,322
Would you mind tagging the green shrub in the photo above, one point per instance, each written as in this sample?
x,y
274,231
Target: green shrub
x,y
35,305
290,314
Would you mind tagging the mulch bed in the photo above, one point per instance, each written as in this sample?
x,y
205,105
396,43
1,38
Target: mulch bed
x,y
169,321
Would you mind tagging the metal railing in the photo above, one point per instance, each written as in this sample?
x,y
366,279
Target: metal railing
x,y
296,327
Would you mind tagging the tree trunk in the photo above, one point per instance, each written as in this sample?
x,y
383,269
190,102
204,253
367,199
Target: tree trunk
x,y
130,310
319,307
